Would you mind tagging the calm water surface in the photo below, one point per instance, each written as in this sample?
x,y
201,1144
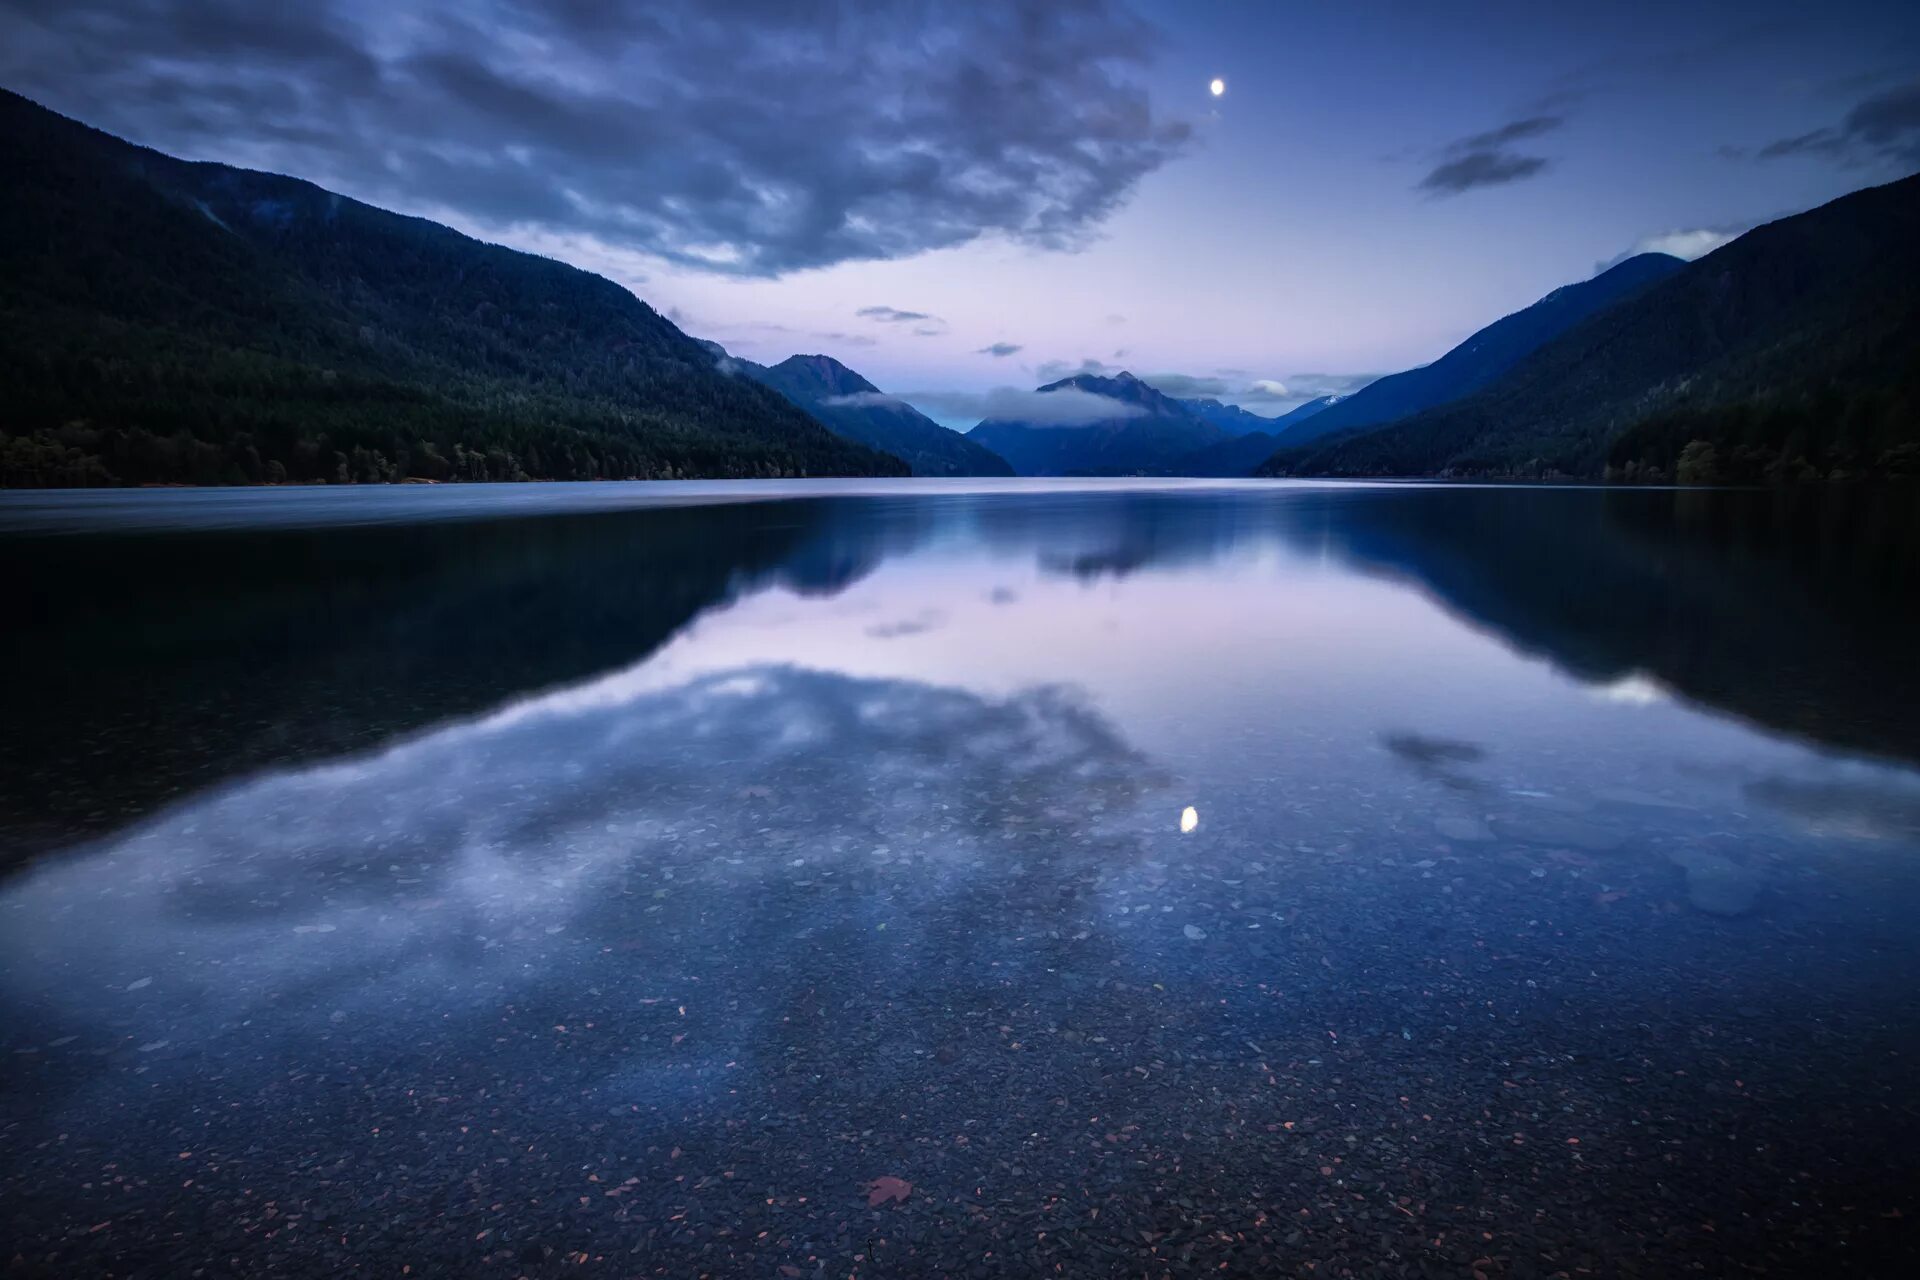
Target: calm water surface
x,y
620,879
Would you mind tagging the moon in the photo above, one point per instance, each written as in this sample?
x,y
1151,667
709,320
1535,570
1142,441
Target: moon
x,y
1218,87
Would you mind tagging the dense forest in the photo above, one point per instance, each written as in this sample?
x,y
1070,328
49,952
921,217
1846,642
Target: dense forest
x,y
1789,354
168,322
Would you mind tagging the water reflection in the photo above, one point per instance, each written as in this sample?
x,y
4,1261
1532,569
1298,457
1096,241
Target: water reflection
x,y
1168,882
589,856
161,664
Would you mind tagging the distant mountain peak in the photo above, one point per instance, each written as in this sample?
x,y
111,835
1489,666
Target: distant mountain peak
x,y
824,375
1122,386
1147,431
857,410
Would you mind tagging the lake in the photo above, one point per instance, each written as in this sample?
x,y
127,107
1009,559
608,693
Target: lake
x,y
907,879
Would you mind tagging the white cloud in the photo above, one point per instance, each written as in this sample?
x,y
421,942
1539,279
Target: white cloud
x,y
1635,689
1696,242
1682,242
867,400
1067,407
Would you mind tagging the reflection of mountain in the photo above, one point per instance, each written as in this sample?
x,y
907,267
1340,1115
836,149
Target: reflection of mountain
x,y
1125,534
1790,610
147,667
161,664
1793,611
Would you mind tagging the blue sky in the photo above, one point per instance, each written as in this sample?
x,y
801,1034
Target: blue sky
x,y
954,198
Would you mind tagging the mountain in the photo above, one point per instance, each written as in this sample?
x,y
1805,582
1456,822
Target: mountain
x,y
853,408
1150,431
1251,441
1230,418
1488,353
1241,455
1294,417
1793,352
1233,457
166,321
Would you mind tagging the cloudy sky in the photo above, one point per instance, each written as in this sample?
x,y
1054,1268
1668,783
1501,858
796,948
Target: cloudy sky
x,y
955,198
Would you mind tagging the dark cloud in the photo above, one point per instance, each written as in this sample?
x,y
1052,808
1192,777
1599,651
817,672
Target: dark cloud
x,y
1480,169
1182,386
893,315
1487,159
1826,142
740,137
1882,129
920,624
1493,139
1889,122
998,349
1633,67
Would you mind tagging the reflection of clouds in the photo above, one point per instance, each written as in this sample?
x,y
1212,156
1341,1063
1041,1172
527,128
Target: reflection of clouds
x,y
1876,805
1416,748
1635,689
1435,758
751,831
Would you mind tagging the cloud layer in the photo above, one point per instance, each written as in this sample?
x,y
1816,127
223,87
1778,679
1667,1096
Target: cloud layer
x,y
1234,386
728,135
1067,407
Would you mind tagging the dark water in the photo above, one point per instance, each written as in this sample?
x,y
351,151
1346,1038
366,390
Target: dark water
x,y
621,890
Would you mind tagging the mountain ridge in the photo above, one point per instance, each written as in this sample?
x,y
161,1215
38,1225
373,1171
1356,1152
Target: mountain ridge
x,y
1486,353
1793,352
1154,429
166,321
